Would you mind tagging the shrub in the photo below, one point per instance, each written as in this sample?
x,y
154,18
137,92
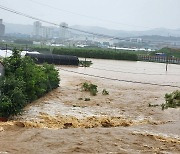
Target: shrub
x,y
105,92
172,100
85,63
93,89
90,87
52,76
24,82
12,98
85,86
6,106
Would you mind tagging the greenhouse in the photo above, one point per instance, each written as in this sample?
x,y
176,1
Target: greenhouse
x,y
54,59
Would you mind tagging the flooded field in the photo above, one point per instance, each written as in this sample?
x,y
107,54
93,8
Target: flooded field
x,y
121,122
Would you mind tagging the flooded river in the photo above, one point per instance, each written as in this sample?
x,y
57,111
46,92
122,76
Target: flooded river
x,y
121,122
134,71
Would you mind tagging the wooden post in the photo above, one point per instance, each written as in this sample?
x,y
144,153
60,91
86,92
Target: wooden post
x,y
166,63
85,61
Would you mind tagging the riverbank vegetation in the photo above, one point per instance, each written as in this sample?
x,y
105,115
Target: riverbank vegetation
x,y
170,52
96,53
172,100
93,89
24,82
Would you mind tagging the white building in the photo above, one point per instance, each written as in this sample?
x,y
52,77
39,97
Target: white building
x,y
2,28
37,29
40,31
63,30
47,32
136,40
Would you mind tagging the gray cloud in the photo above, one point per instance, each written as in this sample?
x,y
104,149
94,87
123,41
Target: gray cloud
x,y
113,14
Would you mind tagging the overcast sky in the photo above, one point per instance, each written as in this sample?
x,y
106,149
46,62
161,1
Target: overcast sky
x,y
112,14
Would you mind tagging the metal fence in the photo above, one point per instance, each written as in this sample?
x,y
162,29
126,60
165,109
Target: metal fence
x,y
160,59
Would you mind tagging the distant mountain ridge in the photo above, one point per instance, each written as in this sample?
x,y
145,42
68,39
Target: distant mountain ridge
x,y
18,28
122,33
28,29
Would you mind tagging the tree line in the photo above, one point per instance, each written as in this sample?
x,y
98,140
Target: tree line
x,y
96,53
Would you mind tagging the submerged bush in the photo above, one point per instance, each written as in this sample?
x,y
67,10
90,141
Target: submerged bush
x,y
85,86
172,100
87,99
24,81
90,87
93,89
105,92
85,63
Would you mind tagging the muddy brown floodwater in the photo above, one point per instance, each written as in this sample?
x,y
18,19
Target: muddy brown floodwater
x,y
121,122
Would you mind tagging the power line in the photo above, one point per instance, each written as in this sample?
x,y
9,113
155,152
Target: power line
x,y
104,65
78,14
131,72
121,80
87,16
51,23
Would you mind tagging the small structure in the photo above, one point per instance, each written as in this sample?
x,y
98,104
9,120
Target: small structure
x,y
160,54
54,59
1,69
2,28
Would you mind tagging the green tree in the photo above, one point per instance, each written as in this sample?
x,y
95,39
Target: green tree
x,y
24,82
52,76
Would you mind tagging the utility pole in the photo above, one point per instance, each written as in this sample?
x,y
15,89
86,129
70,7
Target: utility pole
x,y
6,51
85,59
26,48
166,63
50,49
